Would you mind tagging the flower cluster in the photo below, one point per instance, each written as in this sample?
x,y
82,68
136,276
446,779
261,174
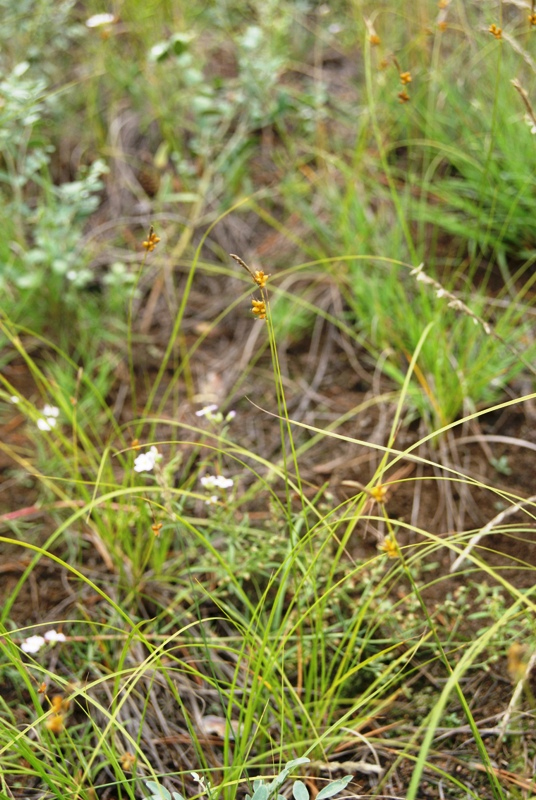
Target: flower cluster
x,y
258,307
259,277
33,644
495,31
152,240
145,461
389,547
60,707
211,482
49,418
216,481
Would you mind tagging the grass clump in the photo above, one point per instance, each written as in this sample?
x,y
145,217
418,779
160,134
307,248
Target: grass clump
x,y
267,520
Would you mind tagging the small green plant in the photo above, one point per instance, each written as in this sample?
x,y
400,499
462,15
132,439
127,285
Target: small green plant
x,y
262,790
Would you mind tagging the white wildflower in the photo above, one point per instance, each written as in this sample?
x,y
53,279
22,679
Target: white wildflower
x,y
231,415
48,420
99,19
14,399
207,411
53,636
33,644
216,482
145,461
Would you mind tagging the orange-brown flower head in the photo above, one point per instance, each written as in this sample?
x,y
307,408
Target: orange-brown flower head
x,y
442,25
55,723
517,662
379,493
374,39
156,528
405,77
495,31
403,96
258,307
443,4
127,761
151,241
532,19
260,278
389,547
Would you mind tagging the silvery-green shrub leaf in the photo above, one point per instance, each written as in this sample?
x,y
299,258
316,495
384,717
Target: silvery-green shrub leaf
x,y
296,763
260,793
158,792
300,791
283,775
334,788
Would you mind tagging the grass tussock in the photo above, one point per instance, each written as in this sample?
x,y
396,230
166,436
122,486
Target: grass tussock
x,y
267,523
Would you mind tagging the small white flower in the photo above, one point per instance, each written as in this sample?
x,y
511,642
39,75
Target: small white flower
x,y
212,500
54,636
145,461
100,19
207,411
33,644
216,481
14,399
45,425
48,420
231,415
224,483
